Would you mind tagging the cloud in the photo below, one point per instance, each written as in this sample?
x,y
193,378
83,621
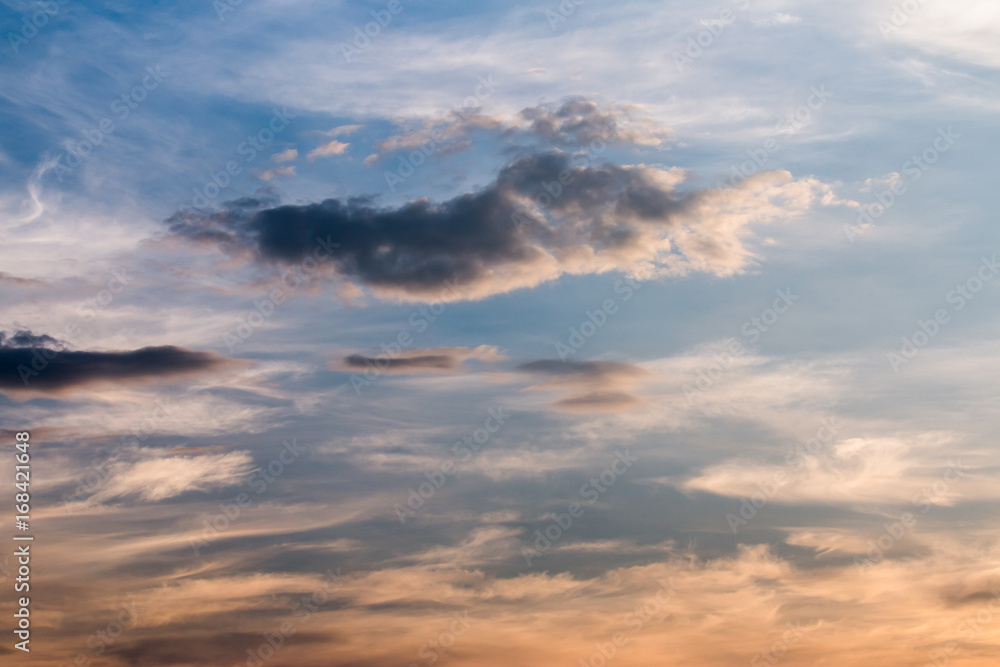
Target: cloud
x,y
337,131
572,370
37,363
425,362
326,150
343,129
24,338
450,135
599,401
8,279
544,216
157,476
278,172
966,30
210,649
289,155
576,122
887,470
420,360
596,386
777,19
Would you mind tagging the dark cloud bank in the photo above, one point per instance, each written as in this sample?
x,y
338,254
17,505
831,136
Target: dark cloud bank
x,y
538,208
40,363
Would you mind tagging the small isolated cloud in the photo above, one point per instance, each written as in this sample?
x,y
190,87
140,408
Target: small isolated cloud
x,y
326,150
156,476
598,401
595,386
420,361
30,362
289,155
343,130
277,172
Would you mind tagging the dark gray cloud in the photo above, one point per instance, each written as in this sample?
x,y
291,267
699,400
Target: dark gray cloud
x,y
23,338
524,228
434,361
575,368
594,386
602,401
419,360
39,363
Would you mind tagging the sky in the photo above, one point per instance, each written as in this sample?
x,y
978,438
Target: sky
x,y
371,334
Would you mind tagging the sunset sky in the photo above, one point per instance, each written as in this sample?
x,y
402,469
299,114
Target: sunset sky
x,y
395,333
